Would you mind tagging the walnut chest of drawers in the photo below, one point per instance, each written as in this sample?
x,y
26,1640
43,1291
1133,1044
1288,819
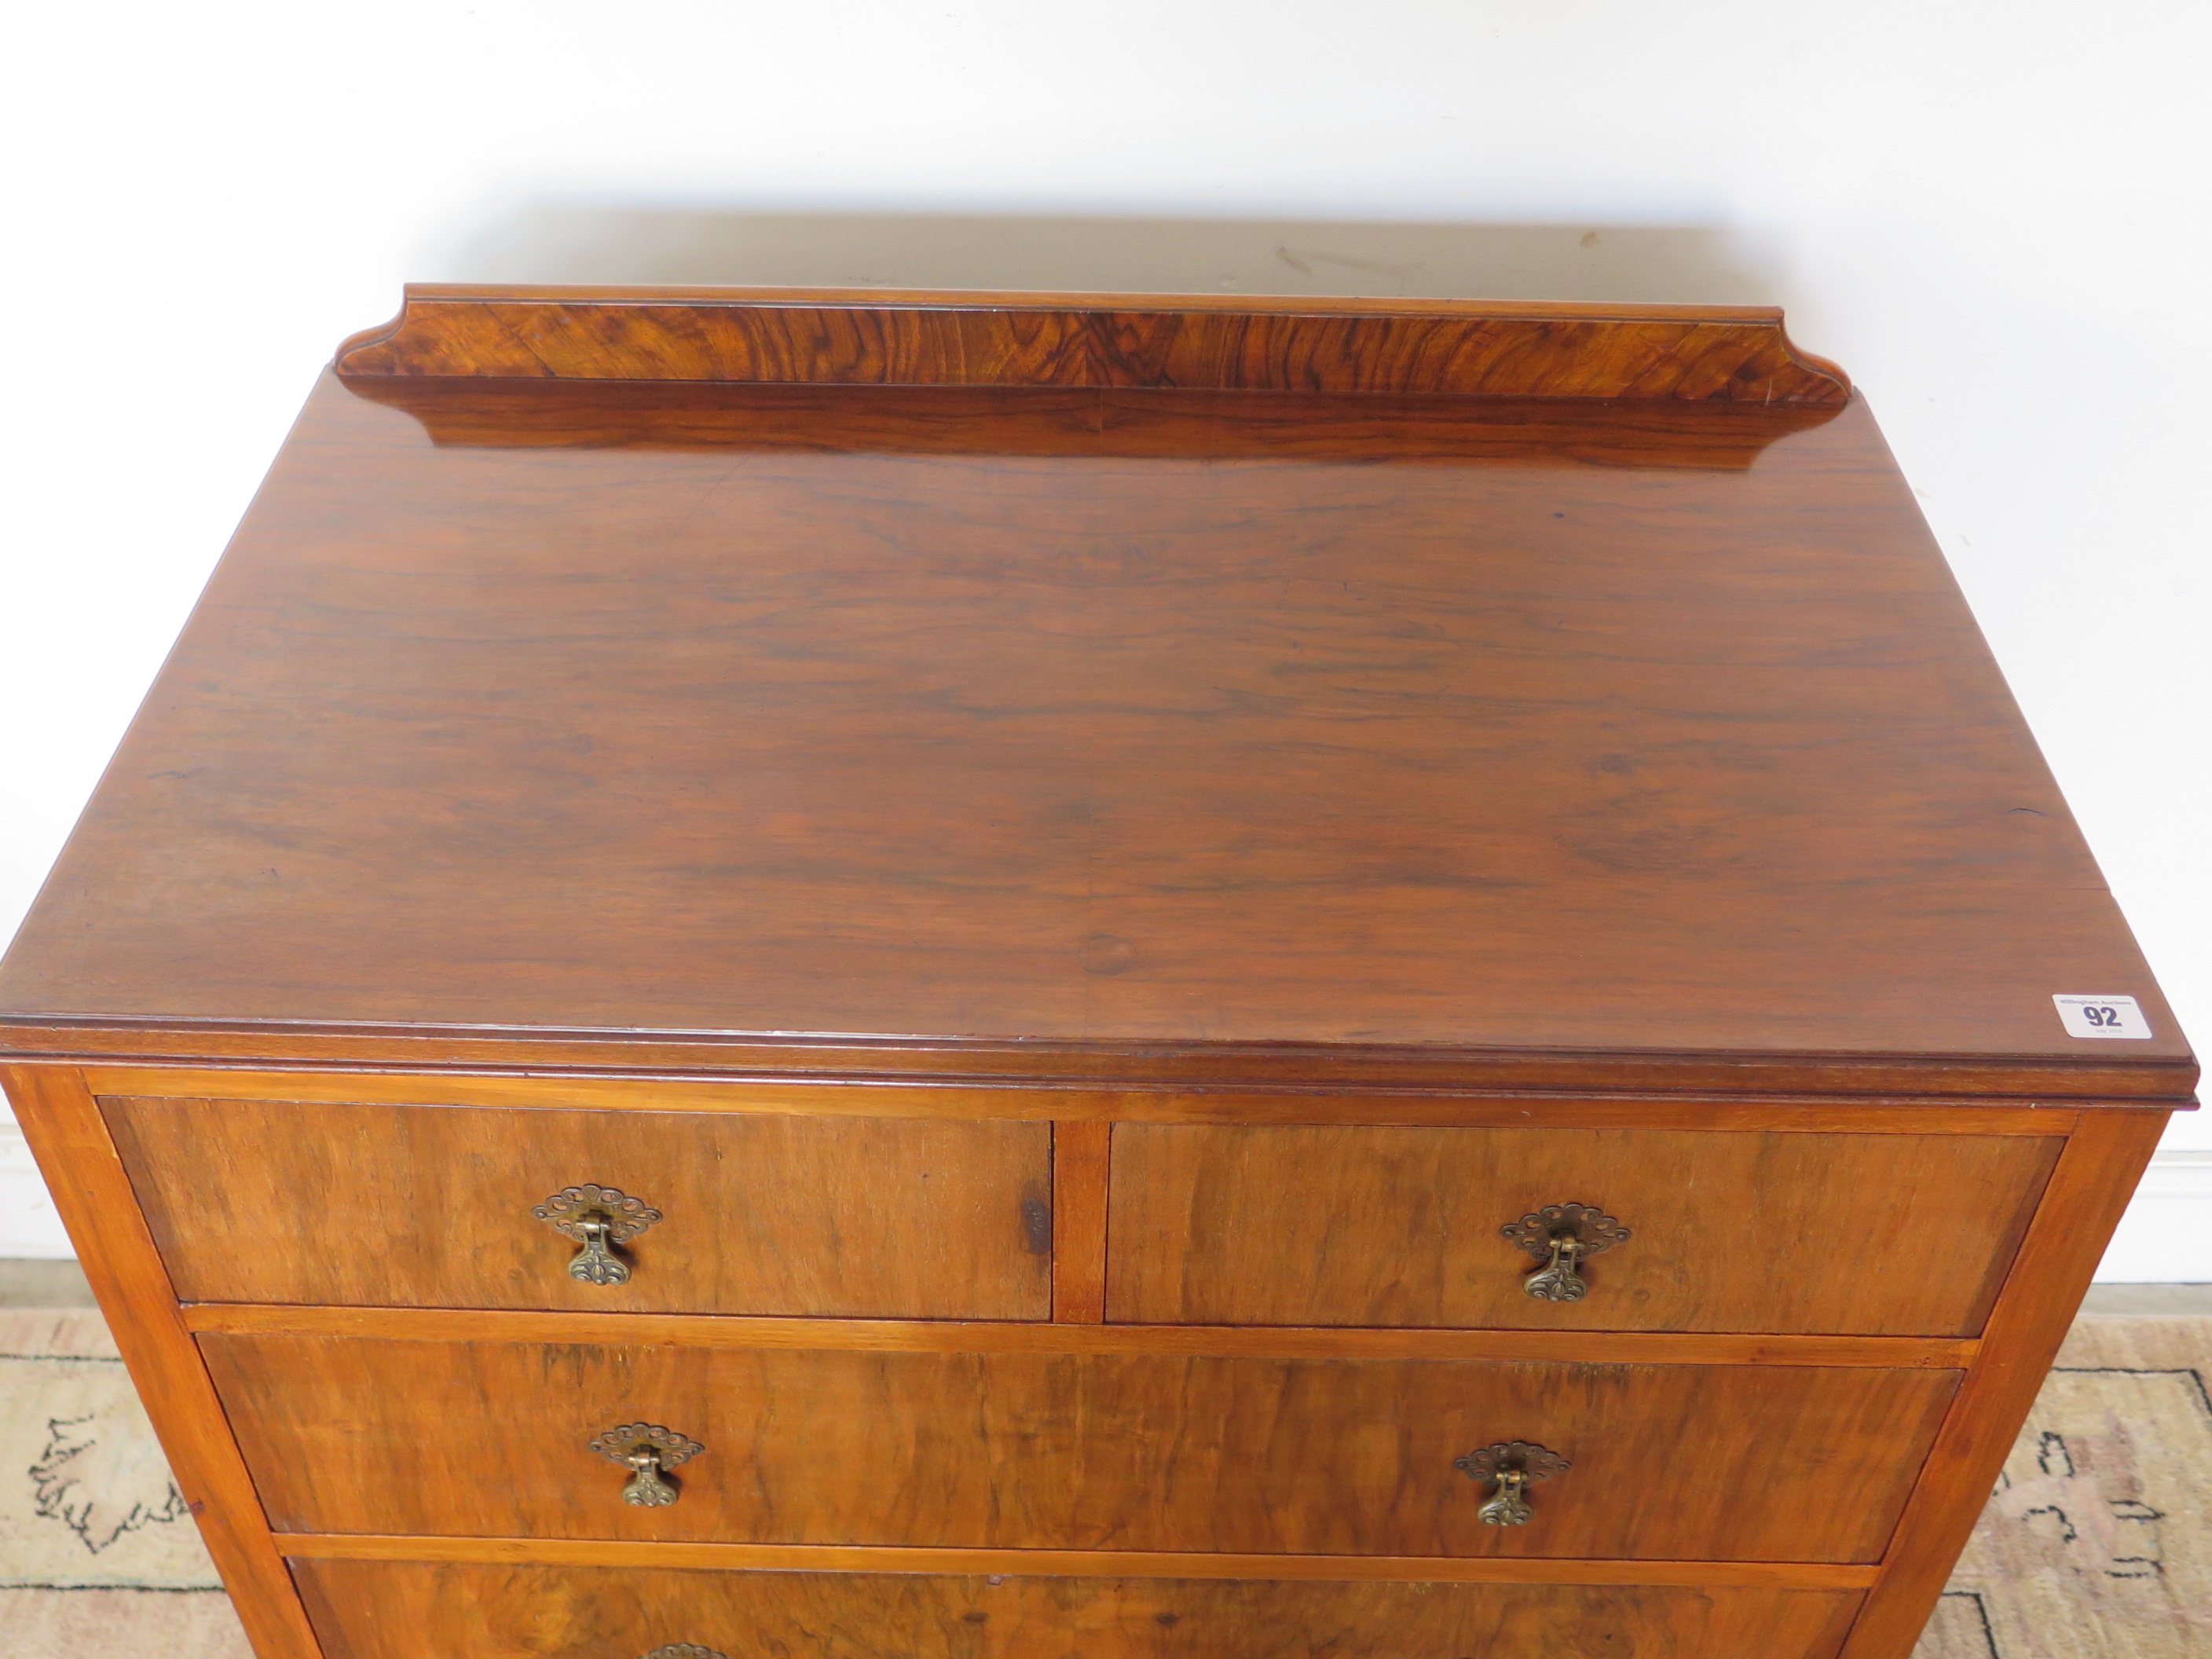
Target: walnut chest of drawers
x,y
1024,977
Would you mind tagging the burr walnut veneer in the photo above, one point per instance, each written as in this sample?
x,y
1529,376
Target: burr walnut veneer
x,y
1024,976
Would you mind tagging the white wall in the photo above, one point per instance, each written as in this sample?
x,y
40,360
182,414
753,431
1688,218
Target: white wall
x,y
1994,216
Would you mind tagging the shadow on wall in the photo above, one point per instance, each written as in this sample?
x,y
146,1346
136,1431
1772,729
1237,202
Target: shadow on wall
x,y
555,243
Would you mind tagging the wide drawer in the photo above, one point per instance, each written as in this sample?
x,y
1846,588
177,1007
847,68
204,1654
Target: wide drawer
x,y
413,1610
1780,1232
254,1200
1077,1451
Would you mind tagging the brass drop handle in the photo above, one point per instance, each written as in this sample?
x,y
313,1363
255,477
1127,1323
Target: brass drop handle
x,y
595,1263
1513,1466
649,1451
599,1219
1562,1237
1556,1279
1510,1507
645,1488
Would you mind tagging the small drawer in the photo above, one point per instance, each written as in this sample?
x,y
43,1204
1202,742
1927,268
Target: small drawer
x,y
746,1212
1766,1232
420,1610
1015,1450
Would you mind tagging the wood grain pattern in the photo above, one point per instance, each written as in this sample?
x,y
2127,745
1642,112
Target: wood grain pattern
x,y
431,1207
63,1125
1237,785
394,1610
1078,1452
2089,1189
1874,1235
877,339
961,1336
997,1100
115,1046
1080,1166
1122,1564
1103,424
1469,756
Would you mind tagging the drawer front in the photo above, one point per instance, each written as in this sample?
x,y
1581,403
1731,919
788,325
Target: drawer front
x,y
413,1610
432,1207
1874,1235
1090,1452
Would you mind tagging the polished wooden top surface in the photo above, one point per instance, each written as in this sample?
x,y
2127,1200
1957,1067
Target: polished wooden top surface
x,y
1164,721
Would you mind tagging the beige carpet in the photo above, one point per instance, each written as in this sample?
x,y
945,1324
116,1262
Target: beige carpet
x,y
98,1559
2097,1545
2098,1541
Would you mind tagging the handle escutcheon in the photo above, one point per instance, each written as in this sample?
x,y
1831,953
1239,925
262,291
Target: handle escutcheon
x,y
648,1451
685,1650
1562,1237
1513,1466
599,1219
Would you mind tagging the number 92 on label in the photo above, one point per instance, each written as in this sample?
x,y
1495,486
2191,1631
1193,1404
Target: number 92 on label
x,y
2101,1017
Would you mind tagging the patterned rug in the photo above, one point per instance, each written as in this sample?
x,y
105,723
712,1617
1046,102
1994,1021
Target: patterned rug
x,y
2098,1541
2097,1544
97,1555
